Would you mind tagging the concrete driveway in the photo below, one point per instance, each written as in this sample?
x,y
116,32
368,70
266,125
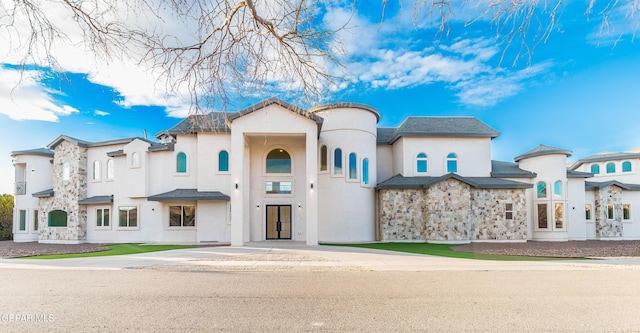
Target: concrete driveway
x,y
290,256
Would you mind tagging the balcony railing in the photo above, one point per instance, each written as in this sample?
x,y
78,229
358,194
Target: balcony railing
x,y
21,188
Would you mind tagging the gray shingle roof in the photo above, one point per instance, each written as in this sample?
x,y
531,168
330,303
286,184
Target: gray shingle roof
x,y
543,150
384,135
578,174
442,127
603,157
220,121
96,200
399,182
43,194
38,151
503,169
116,153
88,144
216,122
598,185
189,195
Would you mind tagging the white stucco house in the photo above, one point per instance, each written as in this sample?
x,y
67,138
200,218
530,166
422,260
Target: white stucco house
x,y
275,171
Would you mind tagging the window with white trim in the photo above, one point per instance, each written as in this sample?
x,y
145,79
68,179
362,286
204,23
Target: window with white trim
x,y
128,217
610,212
111,172
452,163
181,163
626,212
323,158
353,166
421,163
22,220
337,161
587,211
508,211
559,215
102,217
96,170
182,216
365,171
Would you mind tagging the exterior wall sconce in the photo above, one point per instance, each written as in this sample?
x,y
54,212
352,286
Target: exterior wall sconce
x,y
299,205
258,206
312,185
236,186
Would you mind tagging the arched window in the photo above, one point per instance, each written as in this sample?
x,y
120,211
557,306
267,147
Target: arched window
x,y
421,163
181,162
96,170
66,171
557,189
611,168
353,166
626,166
337,161
57,218
541,190
595,169
135,160
278,161
323,158
223,161
452,163
365,171
110,169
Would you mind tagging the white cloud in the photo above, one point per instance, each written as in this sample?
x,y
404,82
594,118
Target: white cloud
x,y
22,97
100,113
385,58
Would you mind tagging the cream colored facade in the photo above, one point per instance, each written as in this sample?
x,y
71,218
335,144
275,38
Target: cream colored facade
x,y
275,171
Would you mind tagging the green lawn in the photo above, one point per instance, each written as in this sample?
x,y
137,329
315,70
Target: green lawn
x,y
115,250
442,250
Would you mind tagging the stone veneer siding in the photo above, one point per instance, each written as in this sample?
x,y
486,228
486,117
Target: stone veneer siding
x,y
606,228
451,211
67,193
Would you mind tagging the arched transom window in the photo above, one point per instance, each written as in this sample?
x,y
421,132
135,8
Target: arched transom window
x,y
278,161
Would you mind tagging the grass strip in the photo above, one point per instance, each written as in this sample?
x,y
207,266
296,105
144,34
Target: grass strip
x,y
444,250
114,250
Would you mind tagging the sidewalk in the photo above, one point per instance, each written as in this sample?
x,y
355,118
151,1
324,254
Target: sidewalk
x,y
298,257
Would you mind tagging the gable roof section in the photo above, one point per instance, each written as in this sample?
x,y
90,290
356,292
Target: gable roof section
x,y
188,195
542,150
401,182
501,169
443,127
220,122
38,152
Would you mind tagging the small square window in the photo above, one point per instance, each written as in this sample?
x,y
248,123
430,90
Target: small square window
x,y
508,211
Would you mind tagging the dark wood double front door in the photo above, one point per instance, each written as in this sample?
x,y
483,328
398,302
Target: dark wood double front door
x,y
278,221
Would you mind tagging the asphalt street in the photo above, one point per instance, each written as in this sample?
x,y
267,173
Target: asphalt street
x,y
301,290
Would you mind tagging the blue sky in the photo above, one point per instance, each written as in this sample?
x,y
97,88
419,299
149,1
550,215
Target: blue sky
x,y
577,90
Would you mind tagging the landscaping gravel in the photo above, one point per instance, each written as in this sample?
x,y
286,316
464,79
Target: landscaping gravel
x,y
571,249
11,249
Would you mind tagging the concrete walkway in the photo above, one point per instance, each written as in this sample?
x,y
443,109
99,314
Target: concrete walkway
x,y
291,256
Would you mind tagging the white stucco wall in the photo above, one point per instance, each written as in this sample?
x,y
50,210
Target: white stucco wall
x,y
549,169
474,155
346,206
37,172
252,135
632,177
384,165
576,216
